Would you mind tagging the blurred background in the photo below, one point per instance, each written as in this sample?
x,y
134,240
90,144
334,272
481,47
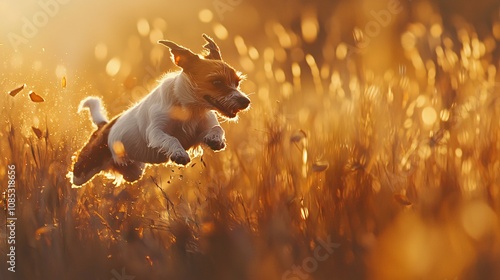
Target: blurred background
x,y
373,138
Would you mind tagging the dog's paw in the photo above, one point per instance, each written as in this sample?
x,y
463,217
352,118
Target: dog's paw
x,y
180,157
215,144
215,140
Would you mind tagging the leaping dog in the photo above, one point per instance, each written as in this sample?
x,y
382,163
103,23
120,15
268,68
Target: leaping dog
x,y
179,114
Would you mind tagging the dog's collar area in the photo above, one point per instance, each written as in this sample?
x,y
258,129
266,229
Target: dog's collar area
x,y
230,113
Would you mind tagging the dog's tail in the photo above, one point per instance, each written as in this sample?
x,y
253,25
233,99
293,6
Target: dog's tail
x,y
97,112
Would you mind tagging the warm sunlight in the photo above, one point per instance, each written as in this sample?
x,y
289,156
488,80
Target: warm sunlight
x,y
302,139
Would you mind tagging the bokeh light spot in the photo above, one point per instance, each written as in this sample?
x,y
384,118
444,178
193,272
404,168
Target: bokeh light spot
x,y
253,53
429,116
113,66
143,27
341,52
436,30
240,45
279,75
205,15
309,28
408,40
220,31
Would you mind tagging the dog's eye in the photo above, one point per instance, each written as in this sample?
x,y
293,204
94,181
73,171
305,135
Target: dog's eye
x,y
217,83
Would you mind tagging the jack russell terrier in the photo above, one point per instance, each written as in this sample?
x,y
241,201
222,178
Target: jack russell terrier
x,y
178,115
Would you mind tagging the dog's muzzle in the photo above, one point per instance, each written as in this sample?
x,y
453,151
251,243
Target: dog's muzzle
x,y
230,105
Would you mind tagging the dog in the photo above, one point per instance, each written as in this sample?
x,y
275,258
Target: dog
x,y
179,115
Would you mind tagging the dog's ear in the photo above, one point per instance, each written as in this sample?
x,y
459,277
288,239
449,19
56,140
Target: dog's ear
x,y
181,56
213,49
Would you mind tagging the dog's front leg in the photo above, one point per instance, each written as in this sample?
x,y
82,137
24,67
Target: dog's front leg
x,y
213,134
166,143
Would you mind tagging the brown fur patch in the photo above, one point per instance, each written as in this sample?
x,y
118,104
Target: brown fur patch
x,y
95,157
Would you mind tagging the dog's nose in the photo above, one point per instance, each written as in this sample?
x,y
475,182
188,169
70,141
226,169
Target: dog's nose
x,y
243,101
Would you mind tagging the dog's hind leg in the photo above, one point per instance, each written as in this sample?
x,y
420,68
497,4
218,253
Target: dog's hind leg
x,y
92,159
131,172
94,156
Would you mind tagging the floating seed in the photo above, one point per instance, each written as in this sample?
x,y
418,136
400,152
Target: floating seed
x,y
35,97
17,90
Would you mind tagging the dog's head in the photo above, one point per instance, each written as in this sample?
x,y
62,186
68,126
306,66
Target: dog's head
x,y
216,84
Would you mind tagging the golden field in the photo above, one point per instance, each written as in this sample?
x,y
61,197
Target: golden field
x,y
374,127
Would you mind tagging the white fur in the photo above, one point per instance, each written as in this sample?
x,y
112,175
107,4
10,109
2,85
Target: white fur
x,y
163,125
95,107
